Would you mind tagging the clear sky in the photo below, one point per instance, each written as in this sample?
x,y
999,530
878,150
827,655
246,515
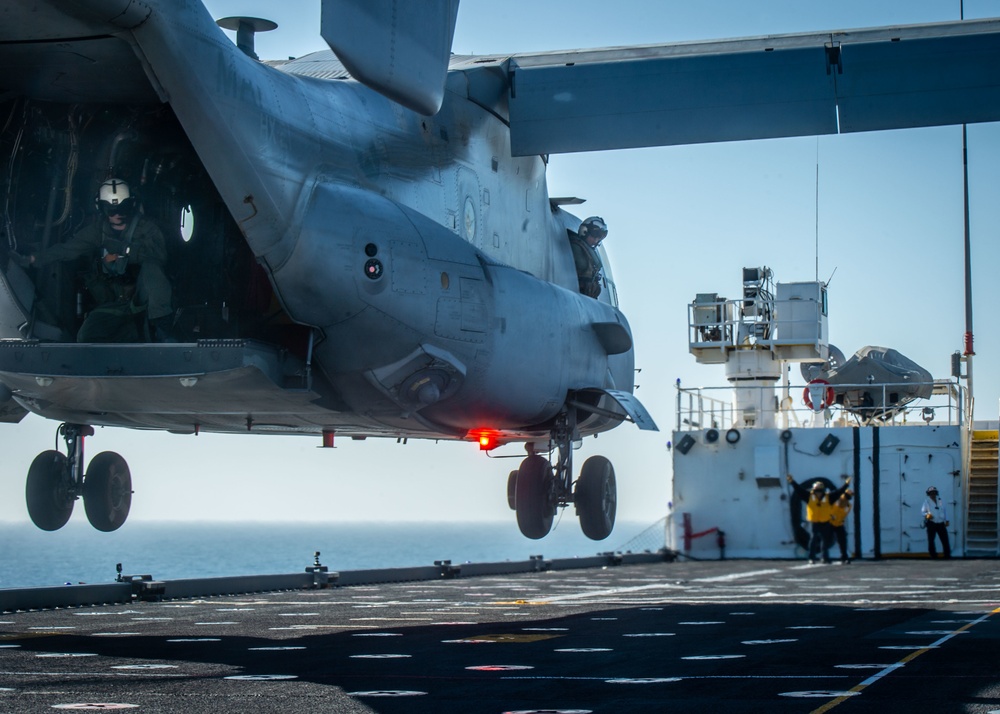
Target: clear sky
x,y
683,220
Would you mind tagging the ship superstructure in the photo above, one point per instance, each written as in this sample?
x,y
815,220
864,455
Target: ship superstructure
x,y
795,406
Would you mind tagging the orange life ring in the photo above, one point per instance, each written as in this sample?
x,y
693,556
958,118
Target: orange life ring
x,y
828,395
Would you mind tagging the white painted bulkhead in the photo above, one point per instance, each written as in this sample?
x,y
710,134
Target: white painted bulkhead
x,y
735,481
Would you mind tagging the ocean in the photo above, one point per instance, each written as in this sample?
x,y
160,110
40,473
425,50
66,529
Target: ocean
x,y
170,550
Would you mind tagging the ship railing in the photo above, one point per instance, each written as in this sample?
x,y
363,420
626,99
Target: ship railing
x,y
715,407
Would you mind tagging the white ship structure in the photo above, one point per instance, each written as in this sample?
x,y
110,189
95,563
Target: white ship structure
x,y
796,406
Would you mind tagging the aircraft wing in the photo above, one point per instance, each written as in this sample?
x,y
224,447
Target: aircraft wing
x,y
755,88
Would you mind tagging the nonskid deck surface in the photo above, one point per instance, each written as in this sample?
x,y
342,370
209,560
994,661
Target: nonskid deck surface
x,y
728,636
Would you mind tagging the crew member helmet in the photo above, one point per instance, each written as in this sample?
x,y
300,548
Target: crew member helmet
x,y
115,198
931,489
818,486
594,227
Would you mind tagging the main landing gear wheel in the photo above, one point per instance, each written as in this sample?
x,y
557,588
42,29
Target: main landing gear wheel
x,y
107,491
48,491
596,498
532,499
512,490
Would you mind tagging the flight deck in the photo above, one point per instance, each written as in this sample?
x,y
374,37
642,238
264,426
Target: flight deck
x,y
733,636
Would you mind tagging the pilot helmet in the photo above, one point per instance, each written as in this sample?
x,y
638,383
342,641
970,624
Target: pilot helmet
x,y
594,227
115,198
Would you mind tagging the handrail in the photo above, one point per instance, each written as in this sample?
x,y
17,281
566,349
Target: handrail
x,y
698,408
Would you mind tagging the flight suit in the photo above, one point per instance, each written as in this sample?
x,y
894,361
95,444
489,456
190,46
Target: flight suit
x,y
588,265
132,284
838,516
819,512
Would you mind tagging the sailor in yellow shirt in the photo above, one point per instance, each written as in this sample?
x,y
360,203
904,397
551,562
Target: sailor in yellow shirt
x,y
838,516
819,511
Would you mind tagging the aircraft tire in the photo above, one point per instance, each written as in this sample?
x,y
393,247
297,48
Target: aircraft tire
x,y
532,498
596,498
512,490
107,491
47,491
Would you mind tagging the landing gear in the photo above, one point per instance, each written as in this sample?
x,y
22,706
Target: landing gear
x,y
534,498
596,498
107,491
539,488
48,492
55,481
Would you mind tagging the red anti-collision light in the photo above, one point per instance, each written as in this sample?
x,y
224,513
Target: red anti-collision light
x,y
487,439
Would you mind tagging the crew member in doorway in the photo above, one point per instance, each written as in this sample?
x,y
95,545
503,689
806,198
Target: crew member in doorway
x,y
819,511
838,517
936,522
127,279
584,242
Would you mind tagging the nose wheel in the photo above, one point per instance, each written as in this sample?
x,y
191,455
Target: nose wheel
x,y
540,488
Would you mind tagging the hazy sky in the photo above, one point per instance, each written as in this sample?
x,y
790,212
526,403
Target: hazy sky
x,y
683,220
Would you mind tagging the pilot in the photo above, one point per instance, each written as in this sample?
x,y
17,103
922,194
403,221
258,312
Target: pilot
x,y
127,279
819,510
936,521
588,262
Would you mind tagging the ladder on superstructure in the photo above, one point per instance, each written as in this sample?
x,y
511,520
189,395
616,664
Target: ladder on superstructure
x,y
981,522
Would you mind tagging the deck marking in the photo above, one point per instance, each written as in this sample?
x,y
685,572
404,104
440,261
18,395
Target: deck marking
x,y
686,676
643,680
766,642
196,639
144,666
639,588
584,649
387,693
930,632
380,656
95,706
262,677
513,637
499,667
868,666
722,656
905,660
819,694
708,622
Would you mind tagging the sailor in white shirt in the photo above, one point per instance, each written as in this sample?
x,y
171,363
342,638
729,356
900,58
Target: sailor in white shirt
x,y
935,514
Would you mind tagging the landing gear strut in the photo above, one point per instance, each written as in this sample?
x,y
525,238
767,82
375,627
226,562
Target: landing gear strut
x,y
540,487
56,480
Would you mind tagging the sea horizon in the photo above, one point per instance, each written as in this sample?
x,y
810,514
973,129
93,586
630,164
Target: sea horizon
x,y
178,549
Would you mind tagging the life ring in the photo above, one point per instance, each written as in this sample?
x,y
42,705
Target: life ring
x,y
828,395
